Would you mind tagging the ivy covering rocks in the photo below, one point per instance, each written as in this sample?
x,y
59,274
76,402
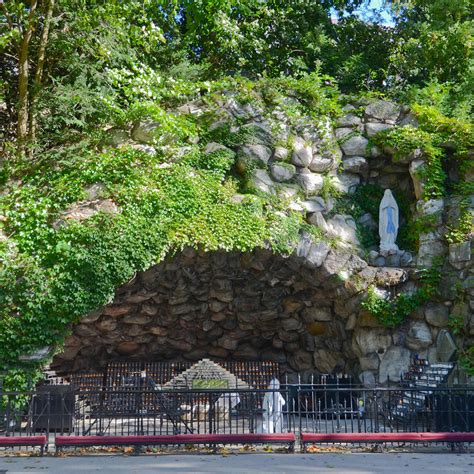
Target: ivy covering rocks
x,y
228,166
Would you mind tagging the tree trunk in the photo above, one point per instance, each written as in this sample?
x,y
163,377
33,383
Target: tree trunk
x,y
40,67
23,72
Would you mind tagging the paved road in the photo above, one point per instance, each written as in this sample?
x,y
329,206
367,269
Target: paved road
x,y
386,463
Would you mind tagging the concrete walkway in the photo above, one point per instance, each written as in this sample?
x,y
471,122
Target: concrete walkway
x,y
387,463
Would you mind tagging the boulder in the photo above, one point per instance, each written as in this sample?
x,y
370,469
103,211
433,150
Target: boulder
x,y
328,362
282,171
343,132
445,346
213,147
387,276
137,319
259,132
310,182
262,181
395,362
342,227
280,153
291,324
459,253
415,169
115,137
302,153
355,146
315,313
366,341
117,310
127,347
320,164
355,164
349,120
84,210
370,362
259,153
418,336
346,182
288,191
146,131
315,204
371,129
316,255
366,220
301,360
318,220
428,250
383,110
367,379
436,315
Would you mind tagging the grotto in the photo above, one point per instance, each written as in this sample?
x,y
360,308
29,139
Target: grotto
x,y
301,308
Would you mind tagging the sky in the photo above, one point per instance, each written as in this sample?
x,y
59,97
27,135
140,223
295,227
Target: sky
x,y
364,12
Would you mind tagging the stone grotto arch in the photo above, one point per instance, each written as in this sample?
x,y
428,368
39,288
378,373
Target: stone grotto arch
x,y
302,311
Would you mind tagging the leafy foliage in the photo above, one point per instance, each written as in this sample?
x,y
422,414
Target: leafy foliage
x,y
392,312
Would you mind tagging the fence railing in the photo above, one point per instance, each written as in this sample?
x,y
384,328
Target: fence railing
x,y
297,408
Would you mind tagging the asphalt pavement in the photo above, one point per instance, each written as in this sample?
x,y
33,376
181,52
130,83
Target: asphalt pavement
x,y
351,463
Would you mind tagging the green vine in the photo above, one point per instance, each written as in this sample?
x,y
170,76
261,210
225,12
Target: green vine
x,y
391,312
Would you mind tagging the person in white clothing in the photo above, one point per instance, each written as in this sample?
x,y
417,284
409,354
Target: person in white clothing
x,y
273,403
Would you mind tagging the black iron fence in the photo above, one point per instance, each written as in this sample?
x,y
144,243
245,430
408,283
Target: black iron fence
x,y
296,408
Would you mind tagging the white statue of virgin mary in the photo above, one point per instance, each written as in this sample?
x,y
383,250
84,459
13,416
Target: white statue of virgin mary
x,y
388,222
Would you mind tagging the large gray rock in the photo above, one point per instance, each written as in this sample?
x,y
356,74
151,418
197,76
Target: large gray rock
x,y
310,182
300,360
430,207
314,313
259,132
259,153
320,164
318,220
262,181
241,111
355,146
146,131
416,170
383,110
328,362
302,153
317,254
445,345
459,253
115,137
343,132
282,171
213,147
342,227
436,315
346,182
355,164
395,362
366,341
315,204
371,129
288,191
280,153
84,210
367,379
369,362
349,120
428,250
418,336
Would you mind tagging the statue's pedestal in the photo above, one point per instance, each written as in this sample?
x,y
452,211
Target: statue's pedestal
x,y
390,258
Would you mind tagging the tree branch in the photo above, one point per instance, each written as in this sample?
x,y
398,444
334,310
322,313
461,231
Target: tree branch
x,y
23,74
40,66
